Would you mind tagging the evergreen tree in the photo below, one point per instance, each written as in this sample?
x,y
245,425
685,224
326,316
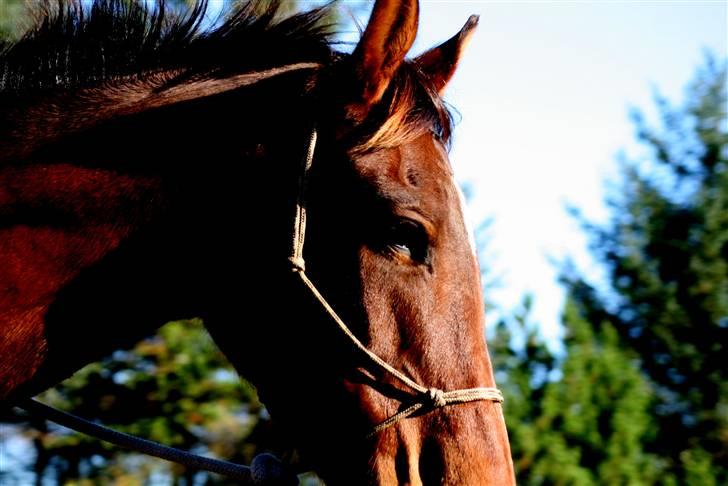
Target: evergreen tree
x,y
13,18
666,252
581,421
175,388
640,394
521,372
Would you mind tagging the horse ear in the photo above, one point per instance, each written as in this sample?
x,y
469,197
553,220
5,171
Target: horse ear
x,y
388,37
439,63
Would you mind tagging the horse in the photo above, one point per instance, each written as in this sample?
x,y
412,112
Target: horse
x,y
154,169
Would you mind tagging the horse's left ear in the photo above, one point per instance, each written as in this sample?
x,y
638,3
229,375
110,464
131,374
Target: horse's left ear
x,y
390,33
439,63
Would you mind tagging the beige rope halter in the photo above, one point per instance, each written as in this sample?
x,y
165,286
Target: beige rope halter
x,y
424,397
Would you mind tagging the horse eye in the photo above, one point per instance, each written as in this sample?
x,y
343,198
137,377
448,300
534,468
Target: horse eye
x,y
408,239
437,135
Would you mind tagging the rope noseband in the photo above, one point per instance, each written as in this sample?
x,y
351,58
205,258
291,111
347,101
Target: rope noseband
x,y
431,398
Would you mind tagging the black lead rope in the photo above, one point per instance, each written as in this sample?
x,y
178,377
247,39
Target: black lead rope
x,y
265,469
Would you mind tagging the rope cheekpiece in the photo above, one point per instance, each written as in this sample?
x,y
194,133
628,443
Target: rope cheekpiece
x,y
429,398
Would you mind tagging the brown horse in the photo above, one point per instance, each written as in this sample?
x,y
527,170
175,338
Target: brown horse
x,y
148,172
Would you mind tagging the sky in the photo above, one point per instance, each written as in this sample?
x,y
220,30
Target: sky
x,y
544,93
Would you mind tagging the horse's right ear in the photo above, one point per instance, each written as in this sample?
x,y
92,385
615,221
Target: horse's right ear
x,y
439,63
388,37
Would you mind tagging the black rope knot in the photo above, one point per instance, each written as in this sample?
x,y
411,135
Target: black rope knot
x,y
436,397
267,470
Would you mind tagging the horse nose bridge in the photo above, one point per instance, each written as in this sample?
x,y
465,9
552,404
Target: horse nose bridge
x,y
398,455
441,448
458,444
445,441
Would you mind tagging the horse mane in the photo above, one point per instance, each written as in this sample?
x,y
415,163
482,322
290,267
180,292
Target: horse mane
x,y
76,45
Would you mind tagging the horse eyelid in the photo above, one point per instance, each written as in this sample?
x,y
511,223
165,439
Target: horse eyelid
x,y
407,238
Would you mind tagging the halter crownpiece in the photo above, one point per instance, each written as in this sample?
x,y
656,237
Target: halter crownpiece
x,y
428,398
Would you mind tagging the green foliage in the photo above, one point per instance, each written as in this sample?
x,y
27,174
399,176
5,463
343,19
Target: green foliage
x,y
175,388
666,250
13,17
577,422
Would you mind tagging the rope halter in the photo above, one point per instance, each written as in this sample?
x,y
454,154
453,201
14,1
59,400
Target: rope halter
x,y
265,469
423,397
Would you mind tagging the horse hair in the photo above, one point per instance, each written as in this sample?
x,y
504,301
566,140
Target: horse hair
x,y
73,45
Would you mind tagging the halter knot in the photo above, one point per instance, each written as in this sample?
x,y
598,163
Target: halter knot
x,y
436,397
298,264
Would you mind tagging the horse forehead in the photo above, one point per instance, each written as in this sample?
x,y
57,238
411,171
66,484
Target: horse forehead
x,y
428,159
416,173
431,158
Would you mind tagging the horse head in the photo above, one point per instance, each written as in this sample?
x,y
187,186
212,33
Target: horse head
x,y
394,261
132,198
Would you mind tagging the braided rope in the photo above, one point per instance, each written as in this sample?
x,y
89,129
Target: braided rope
x,y
431,398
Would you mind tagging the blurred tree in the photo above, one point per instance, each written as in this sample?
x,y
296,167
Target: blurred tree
x,y
640,394
666,252
175,388
13,15
522,371
577,422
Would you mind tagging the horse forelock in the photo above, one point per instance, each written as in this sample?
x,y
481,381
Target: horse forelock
x,y
411,106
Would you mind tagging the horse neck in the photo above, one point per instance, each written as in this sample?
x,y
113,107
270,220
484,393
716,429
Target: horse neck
x,y
228,169
169,215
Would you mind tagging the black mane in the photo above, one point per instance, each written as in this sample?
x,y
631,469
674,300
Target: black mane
x,y
73,46
78,44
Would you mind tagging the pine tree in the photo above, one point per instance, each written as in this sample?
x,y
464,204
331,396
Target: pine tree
x,y
580,421
640,394
175,388
666,252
